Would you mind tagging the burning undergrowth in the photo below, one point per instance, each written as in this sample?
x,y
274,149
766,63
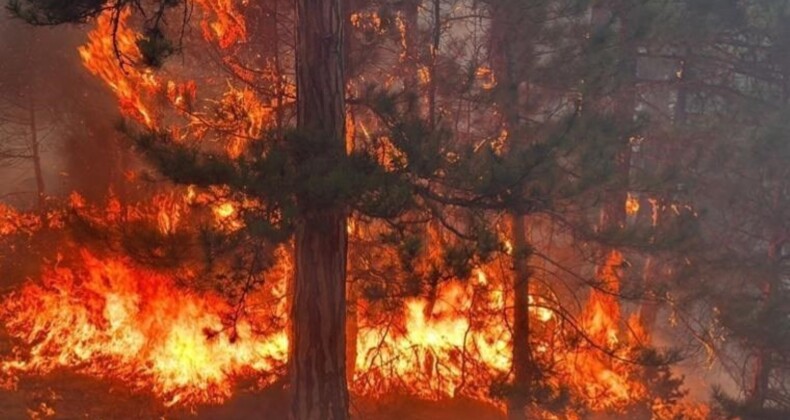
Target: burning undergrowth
x,y
108,318
102,312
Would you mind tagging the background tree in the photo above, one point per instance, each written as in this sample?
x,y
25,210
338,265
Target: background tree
x,y
318,375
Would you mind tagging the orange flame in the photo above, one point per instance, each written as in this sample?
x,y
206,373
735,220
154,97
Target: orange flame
x,y
433,355
102,54
612,387
110,319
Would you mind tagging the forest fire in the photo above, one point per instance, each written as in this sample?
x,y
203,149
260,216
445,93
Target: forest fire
x,y
416,205
106,317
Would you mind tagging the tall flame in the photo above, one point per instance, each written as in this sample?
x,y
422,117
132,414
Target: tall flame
x,y
108,47
604,378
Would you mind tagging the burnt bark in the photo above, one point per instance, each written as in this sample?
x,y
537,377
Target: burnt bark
x,y
622,104
318,363
34,141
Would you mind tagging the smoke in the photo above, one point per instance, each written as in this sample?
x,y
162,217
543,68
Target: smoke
x,y
49,103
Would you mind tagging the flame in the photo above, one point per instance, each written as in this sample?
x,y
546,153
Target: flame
x,y
612,387
106,317
223,22
433,354
631,204
145,96
14,222
224,210
168,212
111,319
227,216
486,77
106,46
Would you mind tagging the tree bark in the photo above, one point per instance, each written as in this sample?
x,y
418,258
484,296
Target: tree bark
x,y
352,329
411,58
318,370
523,366
318,364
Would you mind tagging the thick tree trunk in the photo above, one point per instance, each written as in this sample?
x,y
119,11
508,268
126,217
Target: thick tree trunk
x,y
318,369
758,393
523,367
280,85
318,363
648,311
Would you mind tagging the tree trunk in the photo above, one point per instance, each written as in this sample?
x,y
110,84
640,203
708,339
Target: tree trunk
x,y
436,37
35,149
35,153
763,363
352,330
508,20
411,57
280,85
758,393
318,364
318,370
523,367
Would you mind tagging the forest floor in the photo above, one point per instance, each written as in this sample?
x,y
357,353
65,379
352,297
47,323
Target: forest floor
x,y
65,395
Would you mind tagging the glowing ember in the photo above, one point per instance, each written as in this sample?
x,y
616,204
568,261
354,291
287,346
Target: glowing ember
x,y
631,205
